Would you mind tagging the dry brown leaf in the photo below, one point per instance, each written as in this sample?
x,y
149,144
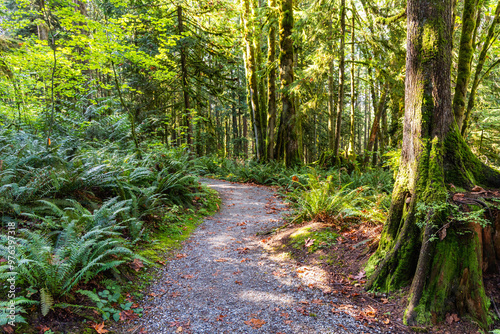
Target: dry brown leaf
x,y
179,329
221,260
136,264
255,323
8,329
181,255
238,282
442,231
100,328
451,318
360,275
187,276
309,242
478,189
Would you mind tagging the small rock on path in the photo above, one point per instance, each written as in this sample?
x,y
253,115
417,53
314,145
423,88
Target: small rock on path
x,y
223,281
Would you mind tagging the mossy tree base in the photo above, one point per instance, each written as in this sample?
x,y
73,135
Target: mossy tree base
x,y
421,243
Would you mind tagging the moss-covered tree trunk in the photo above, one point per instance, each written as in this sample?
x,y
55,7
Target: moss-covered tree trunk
x,y
352,135
376,121
184,76
251,74
340,101
445,273
271,84
465,55
287,146
490,38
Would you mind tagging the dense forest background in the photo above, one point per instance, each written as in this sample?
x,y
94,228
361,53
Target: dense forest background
x,y
209,77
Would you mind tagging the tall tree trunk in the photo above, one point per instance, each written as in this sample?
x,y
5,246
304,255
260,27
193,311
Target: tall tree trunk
x,y
331,107
490,38
184,77
340,102
288,136
352,135
445,272
465,55
271,85
376,122
251,73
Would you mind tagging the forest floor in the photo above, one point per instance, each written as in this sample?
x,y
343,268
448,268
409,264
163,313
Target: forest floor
x,y
234,276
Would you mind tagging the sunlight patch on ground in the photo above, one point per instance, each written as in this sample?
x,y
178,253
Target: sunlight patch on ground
x,y
262,296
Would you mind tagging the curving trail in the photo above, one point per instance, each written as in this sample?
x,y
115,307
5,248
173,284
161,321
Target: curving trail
x,y
224,280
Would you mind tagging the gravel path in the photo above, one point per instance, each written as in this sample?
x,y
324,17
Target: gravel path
x,y
224,281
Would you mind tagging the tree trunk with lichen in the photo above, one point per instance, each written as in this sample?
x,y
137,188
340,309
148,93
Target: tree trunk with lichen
x,y
287,146
465,55
271,84
340,101
251,75
445,272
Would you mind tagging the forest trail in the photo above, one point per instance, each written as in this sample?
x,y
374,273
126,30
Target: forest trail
x,y
224,281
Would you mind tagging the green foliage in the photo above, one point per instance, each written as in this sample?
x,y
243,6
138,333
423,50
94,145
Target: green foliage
x,y
313,240
322,200
55,263
16,306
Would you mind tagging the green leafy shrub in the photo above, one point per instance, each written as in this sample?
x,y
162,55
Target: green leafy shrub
x,y
55,263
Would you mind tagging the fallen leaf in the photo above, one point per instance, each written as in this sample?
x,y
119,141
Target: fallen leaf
x,y
181,255
305,302
179,329
288,322
8,329
220,318
136,264
255,323
43,328
360,275
309,242
187,276
451,318
221,260
238,282
100,328
317,301
442,231
245,259
386,321
478,189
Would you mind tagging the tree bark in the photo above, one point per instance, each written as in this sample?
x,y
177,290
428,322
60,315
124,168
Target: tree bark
x,y
465,55
445,273
490,38
376,122
251,74
352,135
184,77
340,102
288,136
271,85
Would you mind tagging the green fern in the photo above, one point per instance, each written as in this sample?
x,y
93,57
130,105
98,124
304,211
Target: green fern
x,y
18,310
46,301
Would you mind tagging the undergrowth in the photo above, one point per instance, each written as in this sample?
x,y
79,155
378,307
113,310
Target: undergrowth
x,y
76,214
